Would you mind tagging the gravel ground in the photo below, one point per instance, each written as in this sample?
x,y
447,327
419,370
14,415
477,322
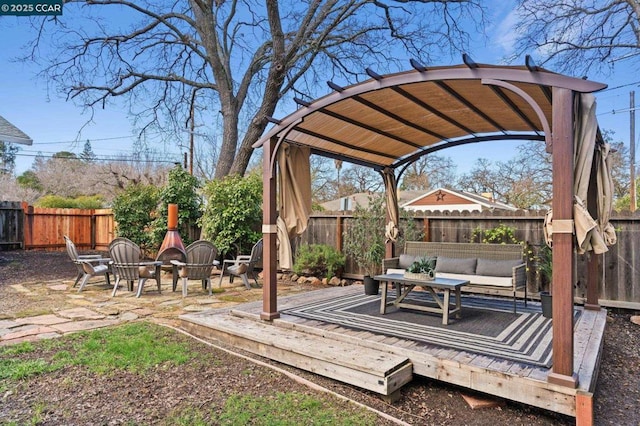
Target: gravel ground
x,y
74,396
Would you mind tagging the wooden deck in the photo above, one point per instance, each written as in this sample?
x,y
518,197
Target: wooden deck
x,y
498,377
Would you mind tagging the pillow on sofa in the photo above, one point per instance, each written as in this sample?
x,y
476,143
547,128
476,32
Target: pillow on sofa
x,y
497,268
405,261
456,266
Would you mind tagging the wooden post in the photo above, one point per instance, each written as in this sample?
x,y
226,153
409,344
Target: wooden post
x,y
269,234
584,409
339,221
426,230
563,252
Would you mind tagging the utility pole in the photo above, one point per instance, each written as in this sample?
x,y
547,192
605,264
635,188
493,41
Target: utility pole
x,y
632,150
193,127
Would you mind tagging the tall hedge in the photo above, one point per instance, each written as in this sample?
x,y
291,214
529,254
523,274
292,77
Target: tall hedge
x,y
233,213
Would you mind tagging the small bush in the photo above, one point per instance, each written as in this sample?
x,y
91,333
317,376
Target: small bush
x,y
501,234
82,202
181,189
318,260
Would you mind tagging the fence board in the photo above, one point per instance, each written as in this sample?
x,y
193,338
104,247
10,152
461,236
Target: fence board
x,y
11,225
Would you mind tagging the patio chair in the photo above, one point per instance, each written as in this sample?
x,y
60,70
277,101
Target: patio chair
x,y
126,265
243,266
201,258
97,264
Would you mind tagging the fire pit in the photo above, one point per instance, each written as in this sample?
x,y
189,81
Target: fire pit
x,y
172,247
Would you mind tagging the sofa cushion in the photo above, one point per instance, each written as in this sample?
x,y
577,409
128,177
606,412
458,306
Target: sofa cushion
x,y
479,280
497,268
405,261
455,265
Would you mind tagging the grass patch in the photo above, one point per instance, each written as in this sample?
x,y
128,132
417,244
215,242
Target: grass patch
x,y
135,347
33,312
233,298
291,408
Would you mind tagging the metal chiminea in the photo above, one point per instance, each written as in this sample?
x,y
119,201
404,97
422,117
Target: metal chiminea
x,y
172,247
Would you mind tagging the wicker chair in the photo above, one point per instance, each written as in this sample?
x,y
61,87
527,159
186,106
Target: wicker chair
x,y
126,264
201,258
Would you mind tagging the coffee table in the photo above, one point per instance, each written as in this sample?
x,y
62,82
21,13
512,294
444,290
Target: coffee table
x,y
404,286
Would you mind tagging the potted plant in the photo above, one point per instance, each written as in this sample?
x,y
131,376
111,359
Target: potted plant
x,y
424,268
545,268
364,240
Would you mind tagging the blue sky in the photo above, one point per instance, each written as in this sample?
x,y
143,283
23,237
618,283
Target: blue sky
x,y
56,125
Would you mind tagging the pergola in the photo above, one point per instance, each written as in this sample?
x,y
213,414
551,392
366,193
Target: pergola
x,y
389,121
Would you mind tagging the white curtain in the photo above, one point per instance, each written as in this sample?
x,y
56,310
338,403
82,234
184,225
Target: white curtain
x,y
294,201
591,235
391,230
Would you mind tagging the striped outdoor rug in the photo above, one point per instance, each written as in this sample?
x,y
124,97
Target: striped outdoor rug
x,y
487,327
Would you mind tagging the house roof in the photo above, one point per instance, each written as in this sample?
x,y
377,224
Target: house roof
x,y
438,197
362,199
391,120
10,133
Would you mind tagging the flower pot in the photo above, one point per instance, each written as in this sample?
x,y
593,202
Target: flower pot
x,y
547,307
371,286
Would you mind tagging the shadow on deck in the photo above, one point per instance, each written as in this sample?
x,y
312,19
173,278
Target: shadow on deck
x,y
383,358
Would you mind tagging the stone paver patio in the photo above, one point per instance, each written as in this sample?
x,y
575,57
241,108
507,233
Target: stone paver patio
x,y
55,308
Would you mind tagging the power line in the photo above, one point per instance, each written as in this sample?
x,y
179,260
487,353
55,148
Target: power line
x,y
106,159
94,139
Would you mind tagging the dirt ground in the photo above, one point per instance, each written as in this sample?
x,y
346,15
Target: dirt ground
x,y
71,397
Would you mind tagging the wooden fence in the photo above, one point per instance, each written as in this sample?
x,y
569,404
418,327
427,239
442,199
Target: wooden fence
x,y
11,225
28,227
620,266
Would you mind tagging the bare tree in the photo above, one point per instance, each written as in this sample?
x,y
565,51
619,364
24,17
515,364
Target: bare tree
x,y
360,179
576,35
243,55
524,181
429,172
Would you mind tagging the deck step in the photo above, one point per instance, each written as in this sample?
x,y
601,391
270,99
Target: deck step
x,y
371,369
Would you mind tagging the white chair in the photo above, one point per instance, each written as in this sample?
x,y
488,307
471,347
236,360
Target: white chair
x,y
88,265
243,266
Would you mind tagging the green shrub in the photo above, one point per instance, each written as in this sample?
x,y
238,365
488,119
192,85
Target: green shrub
x,y
318,260
233,213
501,234
181,189
82,202
364,239
134,210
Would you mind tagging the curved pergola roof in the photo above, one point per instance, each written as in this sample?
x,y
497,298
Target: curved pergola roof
x,y
391,120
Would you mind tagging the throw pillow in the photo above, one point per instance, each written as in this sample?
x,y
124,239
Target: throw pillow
x,y
405,261
456,266
497,268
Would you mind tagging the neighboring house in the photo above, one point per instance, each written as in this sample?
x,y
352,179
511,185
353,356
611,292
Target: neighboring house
x,y
348,203
11,134
443,199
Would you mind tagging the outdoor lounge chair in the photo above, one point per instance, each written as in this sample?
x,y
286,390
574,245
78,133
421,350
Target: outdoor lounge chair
x,y
243,266
126,265
201,258
98,265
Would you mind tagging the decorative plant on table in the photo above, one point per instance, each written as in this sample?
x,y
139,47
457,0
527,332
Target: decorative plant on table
x,y
422,268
